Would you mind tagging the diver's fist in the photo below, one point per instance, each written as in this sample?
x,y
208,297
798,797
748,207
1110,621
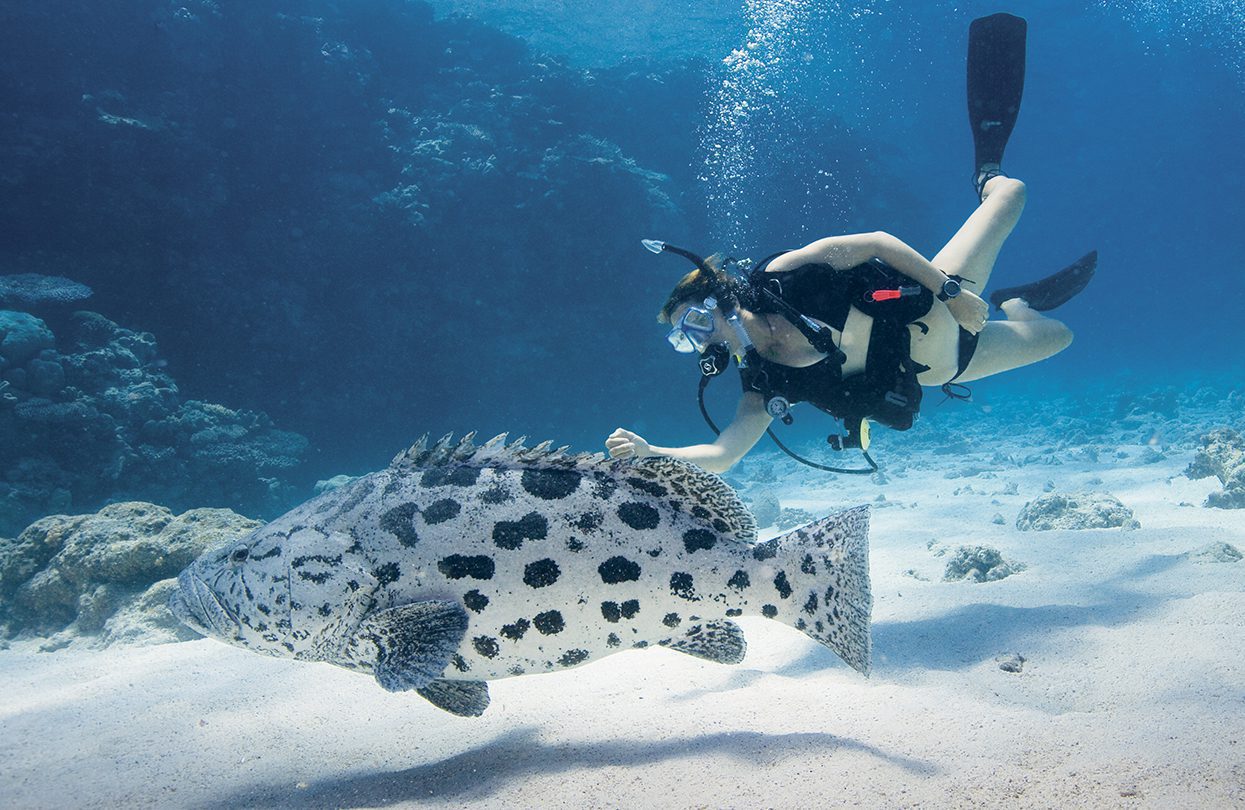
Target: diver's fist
x,y
625,444
969,311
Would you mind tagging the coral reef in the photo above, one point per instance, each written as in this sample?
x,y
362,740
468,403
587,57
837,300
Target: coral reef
x,y
1083,510
765,508
100,419
980,564
1222,455
1216,553
27,290
103,574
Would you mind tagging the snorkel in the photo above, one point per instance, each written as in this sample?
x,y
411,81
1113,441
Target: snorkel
x,y
722,299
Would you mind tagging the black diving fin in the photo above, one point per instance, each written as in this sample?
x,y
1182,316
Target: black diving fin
x,y
996,82
1053,290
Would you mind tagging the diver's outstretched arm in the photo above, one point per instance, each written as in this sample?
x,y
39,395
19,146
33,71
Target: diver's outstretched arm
x,y
740,436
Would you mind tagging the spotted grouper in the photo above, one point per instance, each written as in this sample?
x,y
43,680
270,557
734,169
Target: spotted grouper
x,y
464,563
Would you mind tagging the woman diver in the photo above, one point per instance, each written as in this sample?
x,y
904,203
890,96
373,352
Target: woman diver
x,y
856,324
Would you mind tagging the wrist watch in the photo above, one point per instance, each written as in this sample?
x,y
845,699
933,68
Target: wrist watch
x,y
950,289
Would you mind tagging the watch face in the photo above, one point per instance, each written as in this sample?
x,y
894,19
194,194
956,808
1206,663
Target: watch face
x,y
951,288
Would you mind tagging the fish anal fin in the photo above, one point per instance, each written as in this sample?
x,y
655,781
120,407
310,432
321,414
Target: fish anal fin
x,y
719,641
414,642
463,698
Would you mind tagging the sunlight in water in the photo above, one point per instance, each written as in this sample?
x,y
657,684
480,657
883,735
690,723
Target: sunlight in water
x,y
748,106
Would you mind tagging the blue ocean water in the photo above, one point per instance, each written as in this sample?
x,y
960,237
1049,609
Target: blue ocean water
x,y
372,220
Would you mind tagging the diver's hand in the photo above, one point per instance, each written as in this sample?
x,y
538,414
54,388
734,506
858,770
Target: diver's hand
x,y
969,311
625,444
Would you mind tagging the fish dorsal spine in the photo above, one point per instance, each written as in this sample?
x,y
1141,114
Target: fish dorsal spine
x,y
706,495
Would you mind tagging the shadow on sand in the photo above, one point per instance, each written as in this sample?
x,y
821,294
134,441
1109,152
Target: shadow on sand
x,y
521,754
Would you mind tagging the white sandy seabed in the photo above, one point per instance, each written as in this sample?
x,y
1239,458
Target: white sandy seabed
x,y
1132,693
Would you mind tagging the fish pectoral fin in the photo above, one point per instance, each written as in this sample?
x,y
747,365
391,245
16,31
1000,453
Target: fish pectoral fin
x,y
414,642
722,642
463,698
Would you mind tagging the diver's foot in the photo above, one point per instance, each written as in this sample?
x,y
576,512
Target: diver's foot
x,y
982,177
1050,292
1018,309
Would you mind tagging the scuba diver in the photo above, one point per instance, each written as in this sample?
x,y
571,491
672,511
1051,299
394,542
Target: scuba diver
x,y
855,325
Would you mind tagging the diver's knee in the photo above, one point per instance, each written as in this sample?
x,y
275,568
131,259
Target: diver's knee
x,y
1009,191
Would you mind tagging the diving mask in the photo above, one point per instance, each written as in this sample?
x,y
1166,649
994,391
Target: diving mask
x,y
691,333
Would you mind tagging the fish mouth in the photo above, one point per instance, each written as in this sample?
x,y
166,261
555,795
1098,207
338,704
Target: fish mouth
x,y
195,606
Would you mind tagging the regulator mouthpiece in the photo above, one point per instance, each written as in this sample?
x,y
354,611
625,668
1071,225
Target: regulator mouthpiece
x,y
653,245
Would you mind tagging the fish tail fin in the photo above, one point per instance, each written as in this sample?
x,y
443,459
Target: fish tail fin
x,y
821,573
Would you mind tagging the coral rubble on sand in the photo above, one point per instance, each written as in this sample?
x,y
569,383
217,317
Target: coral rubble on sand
x,y
980,564
1223,456
106,575
1081,510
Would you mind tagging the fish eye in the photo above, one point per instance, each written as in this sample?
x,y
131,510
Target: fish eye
x,y
239,555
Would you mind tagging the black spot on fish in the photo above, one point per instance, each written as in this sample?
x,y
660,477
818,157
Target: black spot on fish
x,y
441,511
734,612
765,551
496,494
387,573
572,657
681,586
810,607
515,631
783,587
550,485
618,569
541,573
318,579
769,611
272,552
638,515
611,612
612,640
829,597
639,645
650,487
721,525
671,620
739,580
808,566
398,521
698,540
262,608
325,610
459,663
800,624
475,601
630,608
450,477
486,646
603,487
699,512
353,585
574,544
819,627
287,645
589,521
510,534
299,562
517,670
549,623
458,566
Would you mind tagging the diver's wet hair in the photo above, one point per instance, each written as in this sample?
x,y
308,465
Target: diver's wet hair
x,y
698,285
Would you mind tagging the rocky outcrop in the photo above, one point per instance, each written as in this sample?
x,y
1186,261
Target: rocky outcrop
x,y
92,415
1222,455
103,575
1082,510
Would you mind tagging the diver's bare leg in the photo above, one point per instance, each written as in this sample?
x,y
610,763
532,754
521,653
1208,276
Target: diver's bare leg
x,y
1026,337
971,253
